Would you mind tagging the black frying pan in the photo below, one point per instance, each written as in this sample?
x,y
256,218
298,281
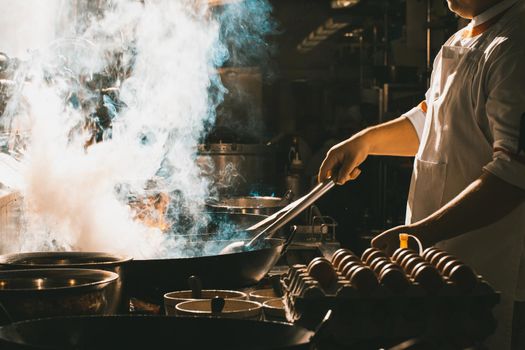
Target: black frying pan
x,y
151,332
150,279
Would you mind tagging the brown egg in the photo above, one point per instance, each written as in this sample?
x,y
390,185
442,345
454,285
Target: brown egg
x,y
315,260
364,280
378,263
443,261
323,272
449,266
412,271
463,277
348,266
406,258
391,266
339,254
367,252
429,278
395,280
430,253
412,262
397,252
376,260
401,255
346,260
435,258
374,255
351,270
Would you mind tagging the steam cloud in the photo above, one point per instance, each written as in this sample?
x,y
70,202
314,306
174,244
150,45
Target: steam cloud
x,y
81,171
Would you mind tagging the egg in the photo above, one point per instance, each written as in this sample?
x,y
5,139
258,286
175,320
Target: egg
x,y
429,278
323,271
404,252
430,252
412,271
346,260
412,262
374,255
443,261
449,266
351,271
435,258
344,270
395,280
463,277
378,263
364,280
391,266
400,252
340,254
406,258
367,252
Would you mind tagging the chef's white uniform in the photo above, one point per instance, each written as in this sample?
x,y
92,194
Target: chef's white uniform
x,y
470,121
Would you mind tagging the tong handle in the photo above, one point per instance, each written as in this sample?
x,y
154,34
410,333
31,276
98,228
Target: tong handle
x,y
275,216
294,210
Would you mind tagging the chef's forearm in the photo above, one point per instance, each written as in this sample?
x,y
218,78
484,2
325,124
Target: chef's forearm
x,y
484,202
394,138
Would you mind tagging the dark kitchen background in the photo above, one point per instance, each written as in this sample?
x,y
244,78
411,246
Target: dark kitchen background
x,y
335,68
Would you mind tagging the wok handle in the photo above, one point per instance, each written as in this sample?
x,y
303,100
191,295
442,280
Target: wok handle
x,y
5,318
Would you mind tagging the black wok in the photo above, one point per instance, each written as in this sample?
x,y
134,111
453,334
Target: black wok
x,y
150,279
152,332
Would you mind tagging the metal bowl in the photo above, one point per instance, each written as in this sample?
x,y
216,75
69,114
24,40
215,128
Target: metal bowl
x,y
233,308
274,310
173,298
73,260
35,293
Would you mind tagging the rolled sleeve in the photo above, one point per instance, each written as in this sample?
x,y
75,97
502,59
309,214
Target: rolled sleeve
x,y
417,117
505,108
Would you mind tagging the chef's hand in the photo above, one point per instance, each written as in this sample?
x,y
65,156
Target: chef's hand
x,y
389,240
342,160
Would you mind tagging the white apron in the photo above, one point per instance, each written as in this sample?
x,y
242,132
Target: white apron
x,y
454,148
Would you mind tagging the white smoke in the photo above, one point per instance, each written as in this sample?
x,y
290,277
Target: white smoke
x,y
164,55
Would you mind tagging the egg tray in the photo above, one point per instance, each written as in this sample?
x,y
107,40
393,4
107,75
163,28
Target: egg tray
x,y
386,317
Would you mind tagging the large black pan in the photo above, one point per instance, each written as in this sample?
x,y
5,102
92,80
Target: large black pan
x,y
150,332
150,279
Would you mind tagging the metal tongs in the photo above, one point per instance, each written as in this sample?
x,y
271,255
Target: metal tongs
x,y
266,228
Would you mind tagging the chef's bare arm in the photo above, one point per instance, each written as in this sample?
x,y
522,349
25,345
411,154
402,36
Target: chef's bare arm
x,y
394,138
484,202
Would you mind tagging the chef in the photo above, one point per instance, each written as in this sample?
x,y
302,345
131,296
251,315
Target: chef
x,y
468,137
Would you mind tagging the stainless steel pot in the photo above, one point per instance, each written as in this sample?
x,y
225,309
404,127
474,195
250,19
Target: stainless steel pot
x,y
37,293
238,169
73,260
